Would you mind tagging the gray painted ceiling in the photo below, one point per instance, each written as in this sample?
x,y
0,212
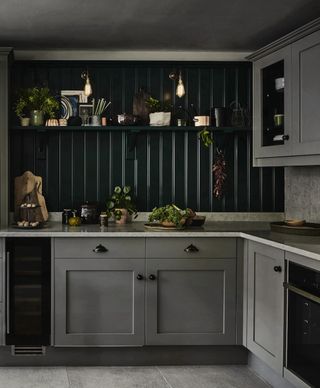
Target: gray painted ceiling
x,y
150,24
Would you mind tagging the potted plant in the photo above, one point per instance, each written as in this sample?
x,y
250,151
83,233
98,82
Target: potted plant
x,y
38,102
21,112
121,205
160,113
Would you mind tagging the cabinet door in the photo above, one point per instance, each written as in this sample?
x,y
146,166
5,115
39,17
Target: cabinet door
x,y
306,95
191,302
99,302
266,304
272,105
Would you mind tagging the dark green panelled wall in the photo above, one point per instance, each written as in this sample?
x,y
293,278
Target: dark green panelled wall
x,y
163,167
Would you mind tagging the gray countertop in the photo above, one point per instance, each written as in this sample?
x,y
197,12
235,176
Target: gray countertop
x,y
137,229
255,231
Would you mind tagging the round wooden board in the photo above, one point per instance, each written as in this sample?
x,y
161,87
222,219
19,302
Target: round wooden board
x,y
155,226
308,229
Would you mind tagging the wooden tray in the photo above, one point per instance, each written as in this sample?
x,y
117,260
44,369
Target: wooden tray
x,y
156,226
40,226
308,229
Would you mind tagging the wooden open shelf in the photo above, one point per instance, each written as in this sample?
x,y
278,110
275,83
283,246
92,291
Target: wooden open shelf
x,y
131,128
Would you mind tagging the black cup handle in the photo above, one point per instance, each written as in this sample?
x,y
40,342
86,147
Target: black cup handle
x,y
100,249
191,248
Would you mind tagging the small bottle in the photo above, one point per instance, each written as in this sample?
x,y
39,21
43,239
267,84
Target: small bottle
x,y
66,214
104,121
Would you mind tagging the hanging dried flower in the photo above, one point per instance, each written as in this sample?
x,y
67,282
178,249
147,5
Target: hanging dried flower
x,y
220,175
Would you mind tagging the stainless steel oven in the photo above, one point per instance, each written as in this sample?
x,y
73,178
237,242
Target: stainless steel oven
x,y
303,320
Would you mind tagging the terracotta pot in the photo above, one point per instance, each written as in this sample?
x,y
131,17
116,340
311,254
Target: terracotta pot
x,y
125,218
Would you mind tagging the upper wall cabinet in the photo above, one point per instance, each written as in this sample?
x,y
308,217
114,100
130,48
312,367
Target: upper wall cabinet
x,y
306,95
286,100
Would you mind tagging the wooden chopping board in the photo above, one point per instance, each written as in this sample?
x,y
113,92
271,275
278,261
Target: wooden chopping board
x,y
28,187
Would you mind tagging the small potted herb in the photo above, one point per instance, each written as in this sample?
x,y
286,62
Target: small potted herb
x,y
170,216
160,113
121,205
38,102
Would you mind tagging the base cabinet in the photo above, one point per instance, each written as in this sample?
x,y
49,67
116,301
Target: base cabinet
x,y
191,302
265,304
99,302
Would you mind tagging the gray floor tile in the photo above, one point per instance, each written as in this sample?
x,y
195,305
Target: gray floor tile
x,y
115,377
211,377
25,377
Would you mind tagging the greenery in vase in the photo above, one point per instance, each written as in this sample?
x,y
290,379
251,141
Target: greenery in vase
x,y
170,213
155,105
121,199
36,99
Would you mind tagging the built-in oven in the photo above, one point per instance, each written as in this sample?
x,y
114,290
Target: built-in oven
x,y
303,323
28,276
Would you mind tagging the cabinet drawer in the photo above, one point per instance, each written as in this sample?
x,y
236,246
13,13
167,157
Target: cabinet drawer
x,y
205,247
83,248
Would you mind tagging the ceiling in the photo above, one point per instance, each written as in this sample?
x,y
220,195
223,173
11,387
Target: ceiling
x,y
233,25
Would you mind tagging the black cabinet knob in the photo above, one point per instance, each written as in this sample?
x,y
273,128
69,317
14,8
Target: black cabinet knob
x,y
277,268
100,249
191,248
285,137
139,276
152,277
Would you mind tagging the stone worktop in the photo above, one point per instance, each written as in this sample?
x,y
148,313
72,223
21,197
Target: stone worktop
x,y
137,229
254,231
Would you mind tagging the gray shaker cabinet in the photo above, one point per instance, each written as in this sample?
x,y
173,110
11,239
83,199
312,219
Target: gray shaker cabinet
x,y
191,301
296,57
265,304
3,268
99,302
306,95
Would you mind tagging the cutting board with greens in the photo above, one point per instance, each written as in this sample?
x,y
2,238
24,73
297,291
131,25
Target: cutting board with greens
x,y
172,217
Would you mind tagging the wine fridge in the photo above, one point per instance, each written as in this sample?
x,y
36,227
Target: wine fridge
x,y
28,291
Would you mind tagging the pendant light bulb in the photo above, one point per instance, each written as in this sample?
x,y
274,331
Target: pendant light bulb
x,y
180,88
87,87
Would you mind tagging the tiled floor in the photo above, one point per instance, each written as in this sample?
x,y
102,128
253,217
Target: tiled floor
x,y
131,377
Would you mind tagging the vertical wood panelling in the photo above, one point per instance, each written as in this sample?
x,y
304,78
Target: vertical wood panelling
x,y
78,169
164,167
167,167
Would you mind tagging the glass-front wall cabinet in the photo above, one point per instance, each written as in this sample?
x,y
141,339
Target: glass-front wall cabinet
x,y
273,84
272,110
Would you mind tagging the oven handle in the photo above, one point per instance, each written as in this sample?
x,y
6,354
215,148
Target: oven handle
x,y
303,293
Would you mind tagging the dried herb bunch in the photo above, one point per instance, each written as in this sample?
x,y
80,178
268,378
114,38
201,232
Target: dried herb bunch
x,y
219,169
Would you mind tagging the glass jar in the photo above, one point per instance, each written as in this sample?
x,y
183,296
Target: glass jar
x,y
36,118
103,219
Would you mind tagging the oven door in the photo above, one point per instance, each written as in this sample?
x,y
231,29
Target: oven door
x,y
303,341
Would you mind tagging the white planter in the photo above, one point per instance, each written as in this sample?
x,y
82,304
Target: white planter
x,y
160,119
